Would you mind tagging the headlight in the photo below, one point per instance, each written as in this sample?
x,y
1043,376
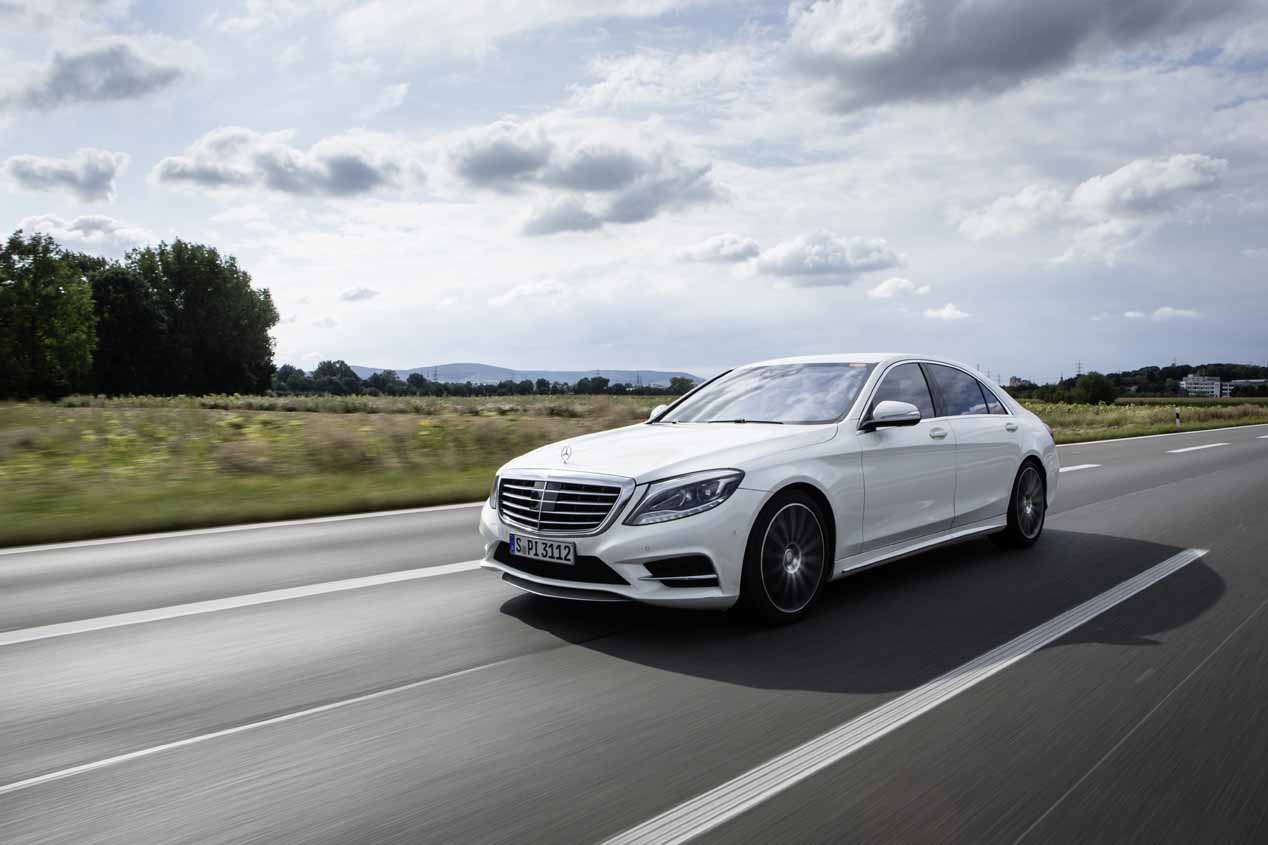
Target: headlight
x,y
685,495
493,493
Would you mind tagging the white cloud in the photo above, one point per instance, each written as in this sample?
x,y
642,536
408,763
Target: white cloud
x,y
471,29
890,288
1105,214
1257,253
388,99
726,248
821,258
358,294
1098,317
1166,312
1147,186
541,290
325,323
1014,214
89,174
257,14
233,157
1133,315
946,312
665,79
96,232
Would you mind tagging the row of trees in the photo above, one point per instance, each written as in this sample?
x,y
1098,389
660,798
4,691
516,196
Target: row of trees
x,y
1146,381
176,318
338,378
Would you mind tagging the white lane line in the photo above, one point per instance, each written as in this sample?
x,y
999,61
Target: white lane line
x,y
1262,437
1078,467
723,803
1194,448
1164,434
138,617
229,529
16,786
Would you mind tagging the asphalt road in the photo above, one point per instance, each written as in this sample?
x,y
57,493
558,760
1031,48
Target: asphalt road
x,y
142,699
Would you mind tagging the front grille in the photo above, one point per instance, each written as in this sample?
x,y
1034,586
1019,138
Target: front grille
x,y
560,507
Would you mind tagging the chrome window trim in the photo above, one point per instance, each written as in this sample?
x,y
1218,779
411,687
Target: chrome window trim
x,y
626,486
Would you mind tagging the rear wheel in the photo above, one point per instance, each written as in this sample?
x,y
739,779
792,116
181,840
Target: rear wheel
x,y
1027,509
787,559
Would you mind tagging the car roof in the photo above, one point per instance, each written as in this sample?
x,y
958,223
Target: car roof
x,y
846,358
868,358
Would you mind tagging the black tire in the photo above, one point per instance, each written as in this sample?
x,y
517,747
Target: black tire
x,y
787,560
1027,508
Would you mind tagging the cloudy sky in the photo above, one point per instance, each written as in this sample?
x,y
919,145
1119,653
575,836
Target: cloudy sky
x,y
671,183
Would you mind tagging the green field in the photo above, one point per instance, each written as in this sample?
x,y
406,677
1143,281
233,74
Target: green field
x,y
89,467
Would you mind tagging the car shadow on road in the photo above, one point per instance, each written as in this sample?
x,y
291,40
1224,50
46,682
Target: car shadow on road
x,y
897,626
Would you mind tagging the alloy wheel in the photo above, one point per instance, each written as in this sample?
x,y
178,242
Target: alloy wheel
x,y
1030,503
792,557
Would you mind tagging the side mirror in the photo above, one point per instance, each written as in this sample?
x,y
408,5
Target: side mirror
x,y
656,412
890,413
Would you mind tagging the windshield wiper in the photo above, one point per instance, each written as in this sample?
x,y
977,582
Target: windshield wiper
x,y
760,422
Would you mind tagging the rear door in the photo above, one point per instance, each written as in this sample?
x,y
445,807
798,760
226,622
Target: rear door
x,y
988,443
908,471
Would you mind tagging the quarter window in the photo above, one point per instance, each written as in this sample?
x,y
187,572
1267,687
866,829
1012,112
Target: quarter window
x,y
961,394
992,401
906,383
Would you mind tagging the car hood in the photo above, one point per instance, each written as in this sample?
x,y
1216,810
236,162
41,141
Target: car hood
x,y
647,452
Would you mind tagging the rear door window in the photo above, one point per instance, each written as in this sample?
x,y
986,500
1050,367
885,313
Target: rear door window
x,y
961,394
905,383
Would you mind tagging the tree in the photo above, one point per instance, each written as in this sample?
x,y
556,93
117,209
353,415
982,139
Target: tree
x,y
1096,388
336,377
679,385
418,384
387,382
47,333
542,386
215,324
131,330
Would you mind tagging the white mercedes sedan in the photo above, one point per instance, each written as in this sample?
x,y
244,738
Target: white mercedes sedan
x,y
767,481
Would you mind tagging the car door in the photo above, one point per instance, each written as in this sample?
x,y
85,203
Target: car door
x,y
908,471
988,444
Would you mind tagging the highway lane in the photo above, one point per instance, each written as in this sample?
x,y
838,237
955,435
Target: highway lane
x,y
575,723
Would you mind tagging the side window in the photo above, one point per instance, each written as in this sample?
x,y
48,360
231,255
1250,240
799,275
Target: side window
x,y
992,401
905,383
960,391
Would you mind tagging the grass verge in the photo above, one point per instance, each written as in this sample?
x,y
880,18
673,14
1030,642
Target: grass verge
x,y
91,467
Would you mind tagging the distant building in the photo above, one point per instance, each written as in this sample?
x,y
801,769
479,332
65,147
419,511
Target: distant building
x,y
1196,385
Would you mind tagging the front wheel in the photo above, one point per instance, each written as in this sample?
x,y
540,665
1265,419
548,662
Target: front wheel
x,y
787,559
1027,509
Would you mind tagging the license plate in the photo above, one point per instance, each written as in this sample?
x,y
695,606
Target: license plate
x,y
551,551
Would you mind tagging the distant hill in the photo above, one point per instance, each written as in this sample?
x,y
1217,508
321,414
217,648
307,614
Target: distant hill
x,y
486,374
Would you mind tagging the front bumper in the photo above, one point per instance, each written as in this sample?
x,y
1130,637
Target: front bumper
x,y
720,534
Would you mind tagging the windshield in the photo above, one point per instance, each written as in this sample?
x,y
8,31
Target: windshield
x,y
780,393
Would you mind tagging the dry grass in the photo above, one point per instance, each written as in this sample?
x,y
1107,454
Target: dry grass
x,y
112,467
93,467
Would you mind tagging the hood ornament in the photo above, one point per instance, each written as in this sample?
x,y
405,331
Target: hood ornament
x,y
565,454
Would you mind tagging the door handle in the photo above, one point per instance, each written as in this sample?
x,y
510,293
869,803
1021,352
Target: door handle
x,y
1010,426
937,433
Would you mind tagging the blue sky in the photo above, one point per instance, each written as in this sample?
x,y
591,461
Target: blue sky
x,y
671,184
